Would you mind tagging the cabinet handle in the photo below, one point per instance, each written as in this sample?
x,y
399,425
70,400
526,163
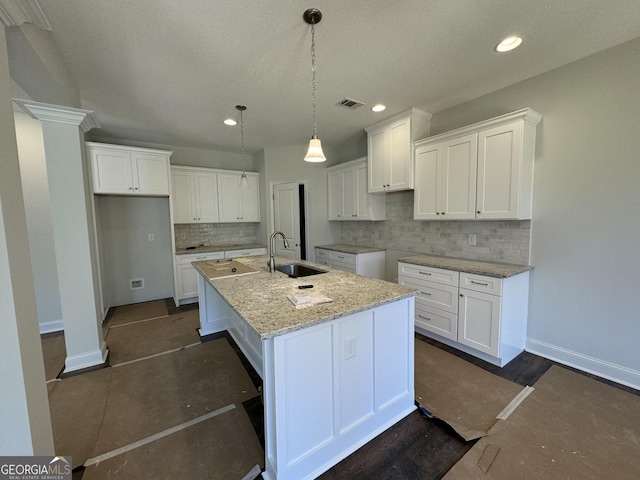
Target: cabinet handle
x,y
339,215
424,273
479,283
443,213
461,295
426,318
478,211
340,257
437,213
427,294
130,188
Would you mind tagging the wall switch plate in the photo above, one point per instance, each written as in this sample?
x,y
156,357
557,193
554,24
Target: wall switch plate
x,y
349,348
472,239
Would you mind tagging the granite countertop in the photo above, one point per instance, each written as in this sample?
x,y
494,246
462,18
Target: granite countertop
x,y
352,249
498,270
219,248
261,298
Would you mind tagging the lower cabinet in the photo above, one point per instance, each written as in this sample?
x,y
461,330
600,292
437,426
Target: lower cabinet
x,y
369,264
186,277
483,316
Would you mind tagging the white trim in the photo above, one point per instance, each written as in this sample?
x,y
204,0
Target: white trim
x,y
86,360
17,12
52,326
47,112
610,371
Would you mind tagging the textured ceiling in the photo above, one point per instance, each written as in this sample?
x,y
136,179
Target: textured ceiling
x,y
169,72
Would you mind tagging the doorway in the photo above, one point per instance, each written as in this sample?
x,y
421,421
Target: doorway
x,y
289,212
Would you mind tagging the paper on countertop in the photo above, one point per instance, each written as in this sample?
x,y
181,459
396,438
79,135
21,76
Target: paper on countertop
x,y
308,299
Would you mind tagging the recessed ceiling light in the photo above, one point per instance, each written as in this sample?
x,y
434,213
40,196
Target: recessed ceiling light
x,y
378,108
230,121
508,44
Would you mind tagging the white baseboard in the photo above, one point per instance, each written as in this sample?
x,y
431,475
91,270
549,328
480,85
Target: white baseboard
x,y
87,359
610,371
50,327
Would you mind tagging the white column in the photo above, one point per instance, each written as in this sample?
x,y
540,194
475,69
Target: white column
x,y
72,217
25,422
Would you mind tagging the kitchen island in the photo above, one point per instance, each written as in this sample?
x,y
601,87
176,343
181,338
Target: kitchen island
x,y
335,375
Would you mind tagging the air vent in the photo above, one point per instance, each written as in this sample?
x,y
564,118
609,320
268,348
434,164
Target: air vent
x,y
349,103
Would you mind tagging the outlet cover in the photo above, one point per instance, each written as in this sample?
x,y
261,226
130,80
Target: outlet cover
x,y
349,348
472,239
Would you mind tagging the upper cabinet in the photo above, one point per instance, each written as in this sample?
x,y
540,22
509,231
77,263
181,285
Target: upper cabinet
x,y
194,195
483,171
390,150
348,196
237,203
124,170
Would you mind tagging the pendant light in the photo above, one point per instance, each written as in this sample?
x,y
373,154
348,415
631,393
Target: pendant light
x,y
244,182
314,154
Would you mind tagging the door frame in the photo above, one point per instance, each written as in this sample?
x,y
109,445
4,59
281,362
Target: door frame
x,y
303,225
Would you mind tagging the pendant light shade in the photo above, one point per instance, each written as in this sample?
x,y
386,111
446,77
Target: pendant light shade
x,y
315,154
312,16
244,182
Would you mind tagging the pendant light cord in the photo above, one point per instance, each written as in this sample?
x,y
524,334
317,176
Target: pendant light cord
x,y
313,77
242,139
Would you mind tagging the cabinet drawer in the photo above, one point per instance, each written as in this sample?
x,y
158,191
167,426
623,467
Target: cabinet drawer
x,y
437,321
184,259
439,275
251,252
322,253
436,295
347,267
481,283
345,258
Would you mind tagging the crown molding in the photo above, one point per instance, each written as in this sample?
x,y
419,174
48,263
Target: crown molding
x,y
17,12
85,119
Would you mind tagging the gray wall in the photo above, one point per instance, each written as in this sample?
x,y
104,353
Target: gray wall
x,y
584,300
125,223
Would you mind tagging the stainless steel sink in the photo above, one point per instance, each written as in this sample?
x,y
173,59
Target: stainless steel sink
x,y
296,270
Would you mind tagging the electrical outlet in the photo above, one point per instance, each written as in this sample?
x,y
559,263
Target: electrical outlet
x,y
349,348
183,236
242,233
151,237
472,239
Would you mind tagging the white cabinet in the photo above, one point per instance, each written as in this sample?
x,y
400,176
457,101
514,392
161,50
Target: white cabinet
x,y
120,170
348,196
194,195
483,171
390,152
483,316
187,277
446,179
369,264
238,204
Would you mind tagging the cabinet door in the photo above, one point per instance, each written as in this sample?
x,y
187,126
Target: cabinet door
x,y
499,161
228,198
426,197
363,201
335,200
378,160
459,165
437,321
111,170
349,194
206,197
187,281
150,174
400,169
250,200
183,197
479,321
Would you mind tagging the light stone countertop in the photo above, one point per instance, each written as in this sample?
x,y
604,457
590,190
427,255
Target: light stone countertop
x,y
498,270
352,249
219,248
261,298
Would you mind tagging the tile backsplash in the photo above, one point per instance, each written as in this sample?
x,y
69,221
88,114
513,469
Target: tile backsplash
x,y
195,234
496,241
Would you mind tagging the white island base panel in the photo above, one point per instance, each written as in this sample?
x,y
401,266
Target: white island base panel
x,y
329,388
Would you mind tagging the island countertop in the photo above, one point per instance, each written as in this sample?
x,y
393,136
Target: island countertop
x,y
261,298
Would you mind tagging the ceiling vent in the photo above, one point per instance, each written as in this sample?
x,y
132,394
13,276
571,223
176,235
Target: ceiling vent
x,y
349,104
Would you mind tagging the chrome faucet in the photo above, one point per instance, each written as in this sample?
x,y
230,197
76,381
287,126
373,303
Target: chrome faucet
x,y
272,248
